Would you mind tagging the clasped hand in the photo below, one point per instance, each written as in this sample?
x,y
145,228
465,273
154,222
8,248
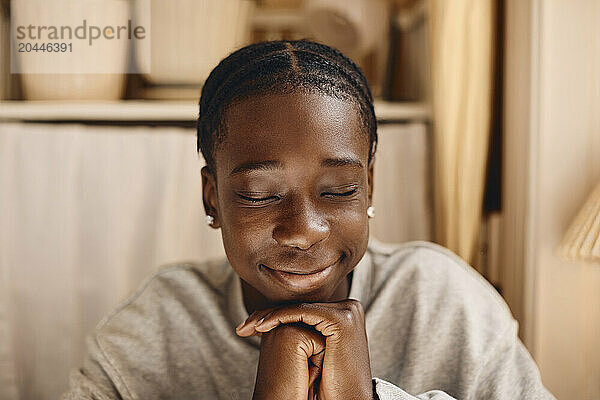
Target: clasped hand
x,y
310,351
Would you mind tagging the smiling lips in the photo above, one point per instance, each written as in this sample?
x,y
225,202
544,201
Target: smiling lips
x,y
300,280
293,272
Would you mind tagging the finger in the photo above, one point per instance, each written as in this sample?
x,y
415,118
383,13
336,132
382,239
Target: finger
x,y
327,318
317,359
246,328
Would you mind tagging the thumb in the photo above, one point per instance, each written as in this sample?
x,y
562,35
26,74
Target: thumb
x,y
313,344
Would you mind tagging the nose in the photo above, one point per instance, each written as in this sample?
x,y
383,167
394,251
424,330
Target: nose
x,y
301,226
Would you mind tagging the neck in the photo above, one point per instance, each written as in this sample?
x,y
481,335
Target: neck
x,y
254,300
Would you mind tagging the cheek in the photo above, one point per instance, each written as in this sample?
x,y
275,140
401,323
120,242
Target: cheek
x,y
245,233
351,225
241,235
352,215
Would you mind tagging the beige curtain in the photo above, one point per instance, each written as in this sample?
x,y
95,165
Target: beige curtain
x,y
461,36
8,383
87,212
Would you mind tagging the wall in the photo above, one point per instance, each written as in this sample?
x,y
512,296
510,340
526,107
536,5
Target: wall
x,y
552,162
567,301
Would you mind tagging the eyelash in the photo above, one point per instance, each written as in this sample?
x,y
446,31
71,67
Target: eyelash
x,y
255,200
344,194
260,200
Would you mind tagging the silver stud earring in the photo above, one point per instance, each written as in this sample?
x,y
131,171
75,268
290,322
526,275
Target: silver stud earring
x,y
371,211
209,219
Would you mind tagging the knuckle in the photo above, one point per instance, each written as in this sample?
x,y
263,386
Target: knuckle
x,y
352,313
357,307
305,307
347,317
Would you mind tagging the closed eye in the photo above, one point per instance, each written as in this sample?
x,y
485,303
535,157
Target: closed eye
x,y
342,194
258,199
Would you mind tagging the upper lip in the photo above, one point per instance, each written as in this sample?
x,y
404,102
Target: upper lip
x,y
301,272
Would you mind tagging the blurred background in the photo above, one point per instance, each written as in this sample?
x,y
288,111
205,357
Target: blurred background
x,y
489,145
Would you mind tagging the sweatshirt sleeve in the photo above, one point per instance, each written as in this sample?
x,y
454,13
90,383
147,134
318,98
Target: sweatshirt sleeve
x,y
92,381
507,372
388,391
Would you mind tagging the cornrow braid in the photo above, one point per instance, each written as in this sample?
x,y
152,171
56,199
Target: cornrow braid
x,y
280,67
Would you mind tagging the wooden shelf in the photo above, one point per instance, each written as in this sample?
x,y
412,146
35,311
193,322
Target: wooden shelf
x,y
132,111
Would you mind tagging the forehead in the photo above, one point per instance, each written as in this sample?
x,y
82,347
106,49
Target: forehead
x,y
306,125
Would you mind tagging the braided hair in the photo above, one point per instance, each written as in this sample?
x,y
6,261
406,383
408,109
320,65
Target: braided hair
x,y
280,67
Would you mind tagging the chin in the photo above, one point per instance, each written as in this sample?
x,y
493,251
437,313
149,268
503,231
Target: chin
x,y
315,295
291,287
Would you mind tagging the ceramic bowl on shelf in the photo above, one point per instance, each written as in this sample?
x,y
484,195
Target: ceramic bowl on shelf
x,y
86,70
353,26
73,86
190,37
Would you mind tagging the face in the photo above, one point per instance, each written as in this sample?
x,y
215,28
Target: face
x,y
290,193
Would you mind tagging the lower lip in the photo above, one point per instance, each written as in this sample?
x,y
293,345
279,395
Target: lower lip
x,y
298,281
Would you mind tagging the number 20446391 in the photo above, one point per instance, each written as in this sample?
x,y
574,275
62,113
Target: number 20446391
x,y
25,47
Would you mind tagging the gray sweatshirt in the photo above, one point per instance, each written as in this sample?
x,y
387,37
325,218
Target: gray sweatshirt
x,y
436,330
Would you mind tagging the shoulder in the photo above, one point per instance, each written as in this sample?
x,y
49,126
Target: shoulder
x,y
167,315
437,284
171,284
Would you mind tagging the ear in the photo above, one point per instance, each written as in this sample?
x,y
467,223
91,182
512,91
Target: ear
x,y
370,180
209,196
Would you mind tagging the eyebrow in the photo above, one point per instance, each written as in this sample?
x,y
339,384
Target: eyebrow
x,y
269,165
266,165
341,162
